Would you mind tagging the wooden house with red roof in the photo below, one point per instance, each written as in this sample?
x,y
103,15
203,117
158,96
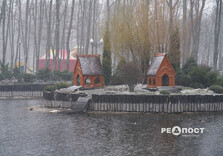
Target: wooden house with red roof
x,y
161,72
88,71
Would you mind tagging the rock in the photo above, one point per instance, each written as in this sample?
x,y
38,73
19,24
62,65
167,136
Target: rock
x,y
110,93
53,111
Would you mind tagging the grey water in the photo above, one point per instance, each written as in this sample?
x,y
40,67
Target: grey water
x,y
35,133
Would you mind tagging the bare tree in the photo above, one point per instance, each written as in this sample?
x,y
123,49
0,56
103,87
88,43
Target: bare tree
x,y
184,51
82,37
40,26
4,33
49,40
11,32
196,25
68,34
217,29
63,34
88,28
57,35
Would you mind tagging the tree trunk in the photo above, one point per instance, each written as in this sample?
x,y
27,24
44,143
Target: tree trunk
x,y
41,13
217,32
11,31
131,88
63,35
82,50
25,38
48,42
68,35
184,51
88,28
57,35
3,14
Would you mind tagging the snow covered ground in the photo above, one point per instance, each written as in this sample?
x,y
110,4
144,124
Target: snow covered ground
x,y
141,89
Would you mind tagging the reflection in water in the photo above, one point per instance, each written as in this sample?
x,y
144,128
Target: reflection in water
x,y
24,132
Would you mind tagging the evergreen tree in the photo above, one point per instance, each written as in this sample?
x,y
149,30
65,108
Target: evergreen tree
x,y
174,49
106,60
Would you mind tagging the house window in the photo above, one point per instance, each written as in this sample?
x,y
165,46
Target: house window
x,y
97,81
87,81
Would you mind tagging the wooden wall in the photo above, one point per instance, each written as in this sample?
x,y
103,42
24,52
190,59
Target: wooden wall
x,y
157,103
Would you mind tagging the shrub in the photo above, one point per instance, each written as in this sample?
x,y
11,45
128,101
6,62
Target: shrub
x,y
5,71
44,74
165,92
55,78
131,74
1,77
199,75
60,85
174,49
196,85
212,78
65,75
189,65
5,75
216,88
182,78
29,77
106,58
16,73
219,81
116,77
68,76
50,88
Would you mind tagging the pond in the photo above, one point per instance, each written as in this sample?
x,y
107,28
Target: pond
x,y
24,132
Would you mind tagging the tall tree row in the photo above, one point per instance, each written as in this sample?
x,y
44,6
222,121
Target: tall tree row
x,y
31,29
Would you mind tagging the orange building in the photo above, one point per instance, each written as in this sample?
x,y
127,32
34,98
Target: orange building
x,y
88,71
161,72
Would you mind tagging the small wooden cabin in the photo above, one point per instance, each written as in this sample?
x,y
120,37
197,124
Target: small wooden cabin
x,y
161,72
88,71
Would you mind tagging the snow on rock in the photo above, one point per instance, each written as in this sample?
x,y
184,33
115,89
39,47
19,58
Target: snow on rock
x,y
197,91
53,111
141,89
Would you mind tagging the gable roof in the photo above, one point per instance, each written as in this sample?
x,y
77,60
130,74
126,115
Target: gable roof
x,y
90,64
156,62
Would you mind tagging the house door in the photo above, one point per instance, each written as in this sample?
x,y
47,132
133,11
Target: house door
x,y
165,80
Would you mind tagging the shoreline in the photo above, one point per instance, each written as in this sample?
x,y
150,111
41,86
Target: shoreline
x,y
40,108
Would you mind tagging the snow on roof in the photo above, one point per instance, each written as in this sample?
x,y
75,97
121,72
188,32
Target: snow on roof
x,y
90,64
157,60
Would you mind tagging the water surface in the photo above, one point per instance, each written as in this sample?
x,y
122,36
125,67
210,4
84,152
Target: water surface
x,y
24,132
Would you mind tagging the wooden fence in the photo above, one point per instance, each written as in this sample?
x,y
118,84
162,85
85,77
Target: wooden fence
x,y
22,91
157,103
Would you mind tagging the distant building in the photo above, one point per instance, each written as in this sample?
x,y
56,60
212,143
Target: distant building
x,y
62,54
88,71
21,66
161,72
